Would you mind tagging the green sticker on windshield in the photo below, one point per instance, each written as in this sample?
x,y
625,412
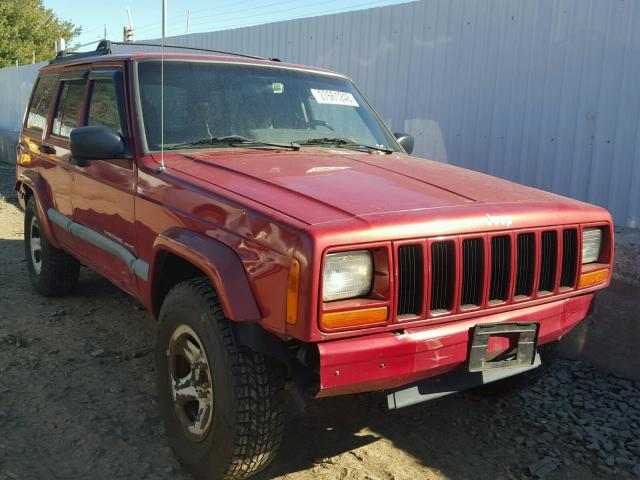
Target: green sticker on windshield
x,y
278,88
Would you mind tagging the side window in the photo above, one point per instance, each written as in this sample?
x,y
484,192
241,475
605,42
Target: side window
x,y
69,105
39,108
103,107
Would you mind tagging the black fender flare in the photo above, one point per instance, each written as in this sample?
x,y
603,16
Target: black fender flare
x,y
42,197
220,264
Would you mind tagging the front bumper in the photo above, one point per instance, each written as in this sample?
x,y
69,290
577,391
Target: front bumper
x,y
388,360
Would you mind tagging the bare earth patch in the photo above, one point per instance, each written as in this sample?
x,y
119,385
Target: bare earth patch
x,y
77,402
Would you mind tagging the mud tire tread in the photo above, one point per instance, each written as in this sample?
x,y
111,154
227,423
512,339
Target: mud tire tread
x,y
258,385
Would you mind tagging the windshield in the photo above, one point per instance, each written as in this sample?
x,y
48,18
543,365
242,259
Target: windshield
x,y
205,102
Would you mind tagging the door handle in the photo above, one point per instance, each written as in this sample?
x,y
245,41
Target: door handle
x,y
46,149
78,162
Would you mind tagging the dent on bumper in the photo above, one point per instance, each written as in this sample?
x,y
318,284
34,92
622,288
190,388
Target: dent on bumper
x,y
389,360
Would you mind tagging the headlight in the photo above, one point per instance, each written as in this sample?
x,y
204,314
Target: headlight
x,y
347,275
591,241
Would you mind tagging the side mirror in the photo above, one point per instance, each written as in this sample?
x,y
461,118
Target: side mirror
x,y
405,140
95,142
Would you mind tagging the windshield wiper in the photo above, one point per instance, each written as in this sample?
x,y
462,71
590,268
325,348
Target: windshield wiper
x,y
233,141
343,143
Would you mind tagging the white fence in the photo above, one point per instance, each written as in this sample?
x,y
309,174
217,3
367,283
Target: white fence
x,y
15,89
541,92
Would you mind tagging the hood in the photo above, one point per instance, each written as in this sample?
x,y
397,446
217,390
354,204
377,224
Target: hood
x,y
321,185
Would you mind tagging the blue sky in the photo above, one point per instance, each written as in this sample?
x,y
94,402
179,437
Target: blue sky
x,y
206,15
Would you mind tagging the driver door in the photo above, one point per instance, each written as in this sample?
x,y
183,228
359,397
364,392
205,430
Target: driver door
x,y
103,190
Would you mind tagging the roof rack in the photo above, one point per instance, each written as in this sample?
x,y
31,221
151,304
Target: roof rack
x,y
66,55
104,48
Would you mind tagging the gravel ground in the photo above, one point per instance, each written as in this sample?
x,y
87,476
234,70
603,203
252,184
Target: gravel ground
x,y
77,402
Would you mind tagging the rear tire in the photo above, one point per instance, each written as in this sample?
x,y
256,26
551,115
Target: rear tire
x,y
230,425
52,271
548,354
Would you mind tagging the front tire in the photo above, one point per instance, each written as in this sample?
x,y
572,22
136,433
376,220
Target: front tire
x,y
222,403
52,271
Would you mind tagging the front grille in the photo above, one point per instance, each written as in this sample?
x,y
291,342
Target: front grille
x,y
472,272
549,254
569,258
443,274
520,267
410,280
526,265
500,269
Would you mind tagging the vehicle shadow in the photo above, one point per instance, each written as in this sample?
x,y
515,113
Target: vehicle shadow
x,y
462,436
616,310
449,437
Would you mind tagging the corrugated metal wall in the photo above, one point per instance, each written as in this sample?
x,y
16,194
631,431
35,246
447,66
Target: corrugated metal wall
x,y
543,92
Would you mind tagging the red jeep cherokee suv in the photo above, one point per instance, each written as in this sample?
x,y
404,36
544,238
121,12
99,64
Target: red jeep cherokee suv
x,y
280,234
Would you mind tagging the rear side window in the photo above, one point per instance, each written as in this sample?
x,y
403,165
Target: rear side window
x,y
103,108
69,105
40,101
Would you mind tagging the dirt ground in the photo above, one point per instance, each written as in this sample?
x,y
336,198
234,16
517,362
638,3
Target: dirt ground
x,y
77,402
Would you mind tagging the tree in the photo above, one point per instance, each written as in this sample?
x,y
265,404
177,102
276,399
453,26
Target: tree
x,y
26,26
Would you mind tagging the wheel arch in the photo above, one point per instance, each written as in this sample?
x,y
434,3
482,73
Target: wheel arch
x,y
31,185
180,254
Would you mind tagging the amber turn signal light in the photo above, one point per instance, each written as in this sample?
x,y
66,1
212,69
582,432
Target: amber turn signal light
x,y
25,159
354,318
292,292
593,278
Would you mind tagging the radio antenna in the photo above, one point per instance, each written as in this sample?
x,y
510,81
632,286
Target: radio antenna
x,y
164,32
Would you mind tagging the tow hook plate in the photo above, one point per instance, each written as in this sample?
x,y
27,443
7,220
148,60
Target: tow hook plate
x,y
522,354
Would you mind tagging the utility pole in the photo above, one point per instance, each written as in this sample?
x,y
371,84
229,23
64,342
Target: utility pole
x,y
61,45
33,57
128,32
105,32
188,21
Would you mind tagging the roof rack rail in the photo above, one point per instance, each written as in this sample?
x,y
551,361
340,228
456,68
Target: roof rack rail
x,y
104,48
197,49
66,55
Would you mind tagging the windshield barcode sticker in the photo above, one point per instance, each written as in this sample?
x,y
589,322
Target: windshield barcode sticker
x,y
334,97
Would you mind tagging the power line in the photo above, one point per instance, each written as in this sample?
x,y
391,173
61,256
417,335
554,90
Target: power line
x,y
181,17
223,9
219,12
252,9
262,14
177,22
310,14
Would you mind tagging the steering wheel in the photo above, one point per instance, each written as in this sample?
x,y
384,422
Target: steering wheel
x,y
319,123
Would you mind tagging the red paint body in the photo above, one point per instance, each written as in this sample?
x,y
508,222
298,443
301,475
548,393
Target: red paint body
x,y
268,208
388,360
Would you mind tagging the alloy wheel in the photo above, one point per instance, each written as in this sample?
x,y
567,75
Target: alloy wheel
x,y
35,245
191,383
